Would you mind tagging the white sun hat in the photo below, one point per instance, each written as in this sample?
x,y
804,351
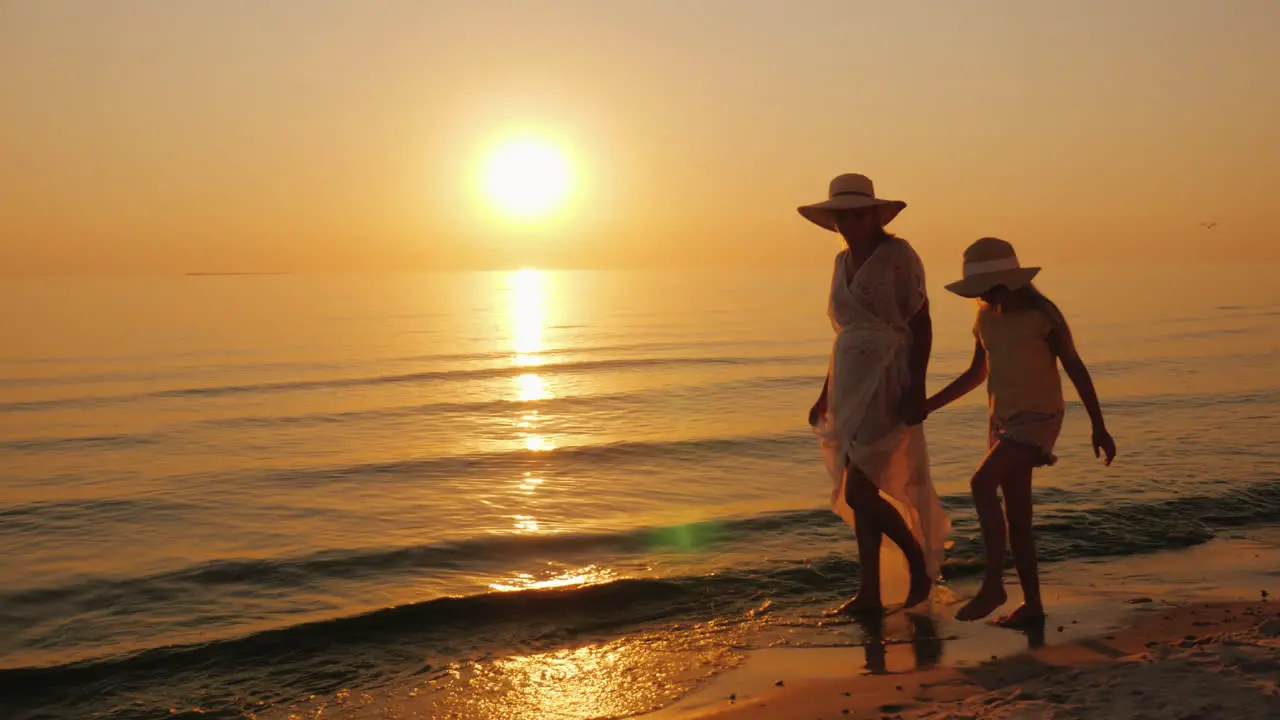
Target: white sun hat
x,y
848,192
989,262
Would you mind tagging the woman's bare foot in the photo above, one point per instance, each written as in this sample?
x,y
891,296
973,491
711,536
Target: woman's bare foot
x,y
1022,616
921,586
982,605
859,605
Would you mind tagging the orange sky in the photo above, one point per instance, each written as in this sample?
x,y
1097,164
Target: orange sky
x,y
232,135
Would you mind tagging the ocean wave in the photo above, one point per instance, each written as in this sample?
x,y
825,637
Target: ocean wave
x,y
74,512
328,654
477,373
315,569
566,404
1260,396
1067,530
489,408
649,454
75,443
568,368
564,368
172,372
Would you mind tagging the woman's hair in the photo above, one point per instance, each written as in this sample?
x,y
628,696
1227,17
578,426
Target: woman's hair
x,y
880,235
886,235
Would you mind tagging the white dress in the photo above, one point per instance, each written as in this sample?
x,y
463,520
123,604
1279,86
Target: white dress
x,y
867,377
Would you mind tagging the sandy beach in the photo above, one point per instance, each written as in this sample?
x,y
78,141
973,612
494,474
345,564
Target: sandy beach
x,y
1172,636
1195,660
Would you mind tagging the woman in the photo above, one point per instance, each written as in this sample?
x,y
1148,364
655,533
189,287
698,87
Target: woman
x,y
869,414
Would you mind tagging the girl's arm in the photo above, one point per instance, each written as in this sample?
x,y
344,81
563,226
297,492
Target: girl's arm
x,y
961,386
1064,347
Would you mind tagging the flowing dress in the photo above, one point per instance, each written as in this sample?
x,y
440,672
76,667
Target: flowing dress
x,y
868,376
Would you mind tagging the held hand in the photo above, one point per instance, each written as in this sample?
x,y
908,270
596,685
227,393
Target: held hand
x,y
914,408
817,412
1103,444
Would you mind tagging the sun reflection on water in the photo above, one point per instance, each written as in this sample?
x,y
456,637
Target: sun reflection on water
x,y
590,575
620,678
528,315
530,483
530,387
528,300
525,523
538,443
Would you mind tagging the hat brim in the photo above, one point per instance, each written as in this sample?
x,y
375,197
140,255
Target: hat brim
x,y
972,287
823,214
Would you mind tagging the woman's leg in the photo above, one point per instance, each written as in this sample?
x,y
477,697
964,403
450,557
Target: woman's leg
x,y
865,498
1005,460
1017,502
867,531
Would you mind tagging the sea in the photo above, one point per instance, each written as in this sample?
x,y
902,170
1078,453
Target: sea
x,y
527,494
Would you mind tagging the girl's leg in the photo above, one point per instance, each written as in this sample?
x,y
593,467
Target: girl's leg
x,y
1006,459
1017,501
865,498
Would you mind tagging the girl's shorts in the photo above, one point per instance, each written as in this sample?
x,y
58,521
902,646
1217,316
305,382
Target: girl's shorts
x,y
1035,429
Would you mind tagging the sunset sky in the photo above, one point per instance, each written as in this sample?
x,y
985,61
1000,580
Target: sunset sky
x,y
327,135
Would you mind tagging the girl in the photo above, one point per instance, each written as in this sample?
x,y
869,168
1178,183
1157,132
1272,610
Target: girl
x,y
1020,338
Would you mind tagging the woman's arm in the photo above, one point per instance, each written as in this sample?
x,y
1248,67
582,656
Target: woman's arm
x,y
963,385
921,347
1063,346
914,408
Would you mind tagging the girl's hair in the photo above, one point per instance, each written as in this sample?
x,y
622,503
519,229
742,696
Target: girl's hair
x,y
1032,297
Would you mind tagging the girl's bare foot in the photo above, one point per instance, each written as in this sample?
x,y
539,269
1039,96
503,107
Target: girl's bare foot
x,y
1022,616
859,605
982,605
921,586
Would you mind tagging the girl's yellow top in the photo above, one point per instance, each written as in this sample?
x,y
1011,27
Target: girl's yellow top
x,y
1022,371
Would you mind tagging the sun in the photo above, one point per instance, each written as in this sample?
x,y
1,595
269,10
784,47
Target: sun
x,y
526,179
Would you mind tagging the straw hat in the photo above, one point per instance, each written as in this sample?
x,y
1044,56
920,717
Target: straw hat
x,y
848,192
990,262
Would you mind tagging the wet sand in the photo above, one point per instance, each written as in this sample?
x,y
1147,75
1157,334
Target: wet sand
x,y
1169,636
1195,660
